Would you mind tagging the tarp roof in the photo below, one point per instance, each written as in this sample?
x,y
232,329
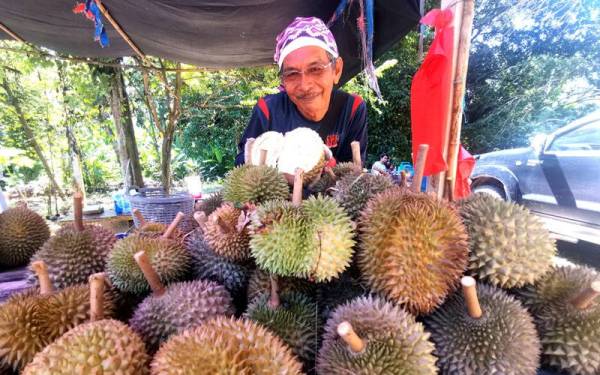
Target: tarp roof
x,y
215,34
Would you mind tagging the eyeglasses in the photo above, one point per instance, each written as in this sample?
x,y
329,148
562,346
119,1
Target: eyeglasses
x,y
290,77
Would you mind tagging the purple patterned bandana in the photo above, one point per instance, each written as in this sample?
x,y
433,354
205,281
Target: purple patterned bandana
x,y
302,32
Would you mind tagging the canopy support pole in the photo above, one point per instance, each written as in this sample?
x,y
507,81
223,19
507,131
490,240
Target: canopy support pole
x,y
119,30
11,33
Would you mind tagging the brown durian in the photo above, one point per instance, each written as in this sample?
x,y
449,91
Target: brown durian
x,y
22,232
225,236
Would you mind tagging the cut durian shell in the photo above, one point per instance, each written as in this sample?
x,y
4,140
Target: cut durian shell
x,y
302,148
225,236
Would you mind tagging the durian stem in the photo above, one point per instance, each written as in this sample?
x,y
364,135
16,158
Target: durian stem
x,y
346,332
248,150
329,171
201,219
149,273
169,232
138,215
584,299
263,157
274,300
356,159
78,210
297,192
41,271
403,179
470,294
419,167
97,296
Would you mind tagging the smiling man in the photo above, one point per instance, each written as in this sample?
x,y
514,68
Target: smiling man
x,y
309,68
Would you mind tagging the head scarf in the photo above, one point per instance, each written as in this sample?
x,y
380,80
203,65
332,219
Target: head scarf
x,y
302,32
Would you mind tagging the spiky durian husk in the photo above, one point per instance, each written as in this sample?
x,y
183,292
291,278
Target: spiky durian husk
x,y
295,321
570,337
260,282
509,246
168,258
413,248
210,204
338,291
395,342
184,305
326,182
254,184
302,148
102,347
314,240
353,191
22,232
103,238
230,243
154,230
240,346
502,341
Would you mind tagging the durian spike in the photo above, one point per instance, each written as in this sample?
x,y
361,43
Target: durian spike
x,y
470,293
263,157
97,296
274,300
41,271
584,299
149,273
173,225
201,219
346,332
329,171
356,159
419,167
248,150
78,210
138,214
297,191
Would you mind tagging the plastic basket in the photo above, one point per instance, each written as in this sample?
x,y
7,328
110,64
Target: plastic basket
x,y
158,207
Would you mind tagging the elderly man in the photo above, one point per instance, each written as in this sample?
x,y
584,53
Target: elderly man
x,y
309,67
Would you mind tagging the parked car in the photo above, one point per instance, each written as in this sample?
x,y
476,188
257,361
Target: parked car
x,y
557,177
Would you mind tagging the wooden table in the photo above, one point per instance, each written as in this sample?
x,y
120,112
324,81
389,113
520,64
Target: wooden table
x,y
108,219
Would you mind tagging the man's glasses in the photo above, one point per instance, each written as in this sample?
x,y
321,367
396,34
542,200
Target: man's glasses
x,y
292,76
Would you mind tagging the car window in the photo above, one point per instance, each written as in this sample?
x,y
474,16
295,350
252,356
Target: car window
x,y
586,137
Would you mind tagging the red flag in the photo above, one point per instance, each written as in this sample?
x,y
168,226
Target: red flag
x,y
430,92
466,163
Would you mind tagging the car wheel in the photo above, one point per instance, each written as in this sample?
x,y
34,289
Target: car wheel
x,y
492,190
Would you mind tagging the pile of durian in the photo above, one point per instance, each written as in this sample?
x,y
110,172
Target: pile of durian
x,y
301,267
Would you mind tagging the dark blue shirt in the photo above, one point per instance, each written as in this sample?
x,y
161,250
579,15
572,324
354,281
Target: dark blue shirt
x,y
344,122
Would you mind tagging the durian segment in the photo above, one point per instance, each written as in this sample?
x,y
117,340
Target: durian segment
x,y
502,341
353,191
509,246
326,182
153,229
22,232
102,347
413,248
570,337
255,184
184,305
395,343
235,346
270,141
302,148
228,241
295,321
260,282
168,258
210,204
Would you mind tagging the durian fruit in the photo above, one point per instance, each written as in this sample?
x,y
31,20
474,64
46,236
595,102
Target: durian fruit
x,y
313,240
509,246
413,248
22,232
497,337
225,346
384,340
254,184
337,292
227,234
272,143
154,229
569,325
354,190
328,180
101,347
210,204
302,148
260,283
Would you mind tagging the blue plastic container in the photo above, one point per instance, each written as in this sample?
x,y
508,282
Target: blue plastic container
x,y
122,205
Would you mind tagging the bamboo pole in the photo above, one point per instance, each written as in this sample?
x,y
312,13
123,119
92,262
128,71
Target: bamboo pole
x,y
419,168
584,299
149,273
138,215
346,332
470,293
12,34
274,300
169,232
248,150
356,158
120,30
78,211
97,296
41,271
263,157
297,190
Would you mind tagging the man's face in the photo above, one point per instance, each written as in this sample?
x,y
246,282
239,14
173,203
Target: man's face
x,y
385,159
308,78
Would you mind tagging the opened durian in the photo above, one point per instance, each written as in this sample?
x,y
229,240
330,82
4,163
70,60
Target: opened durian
x,y
154,229
227,234
22,232
210,204
501,340
254,184
303,148
272,143
328,180
354,190
384,340
509,246
225,346
260,282
413,248
566,310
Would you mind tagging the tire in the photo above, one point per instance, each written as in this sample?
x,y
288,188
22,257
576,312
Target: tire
x,y
491,190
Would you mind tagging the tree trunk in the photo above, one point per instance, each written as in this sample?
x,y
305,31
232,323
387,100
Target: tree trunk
x,y
165,163
14,102
111,134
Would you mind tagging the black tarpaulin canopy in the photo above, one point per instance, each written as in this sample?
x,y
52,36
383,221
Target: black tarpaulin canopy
x,y
212,34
